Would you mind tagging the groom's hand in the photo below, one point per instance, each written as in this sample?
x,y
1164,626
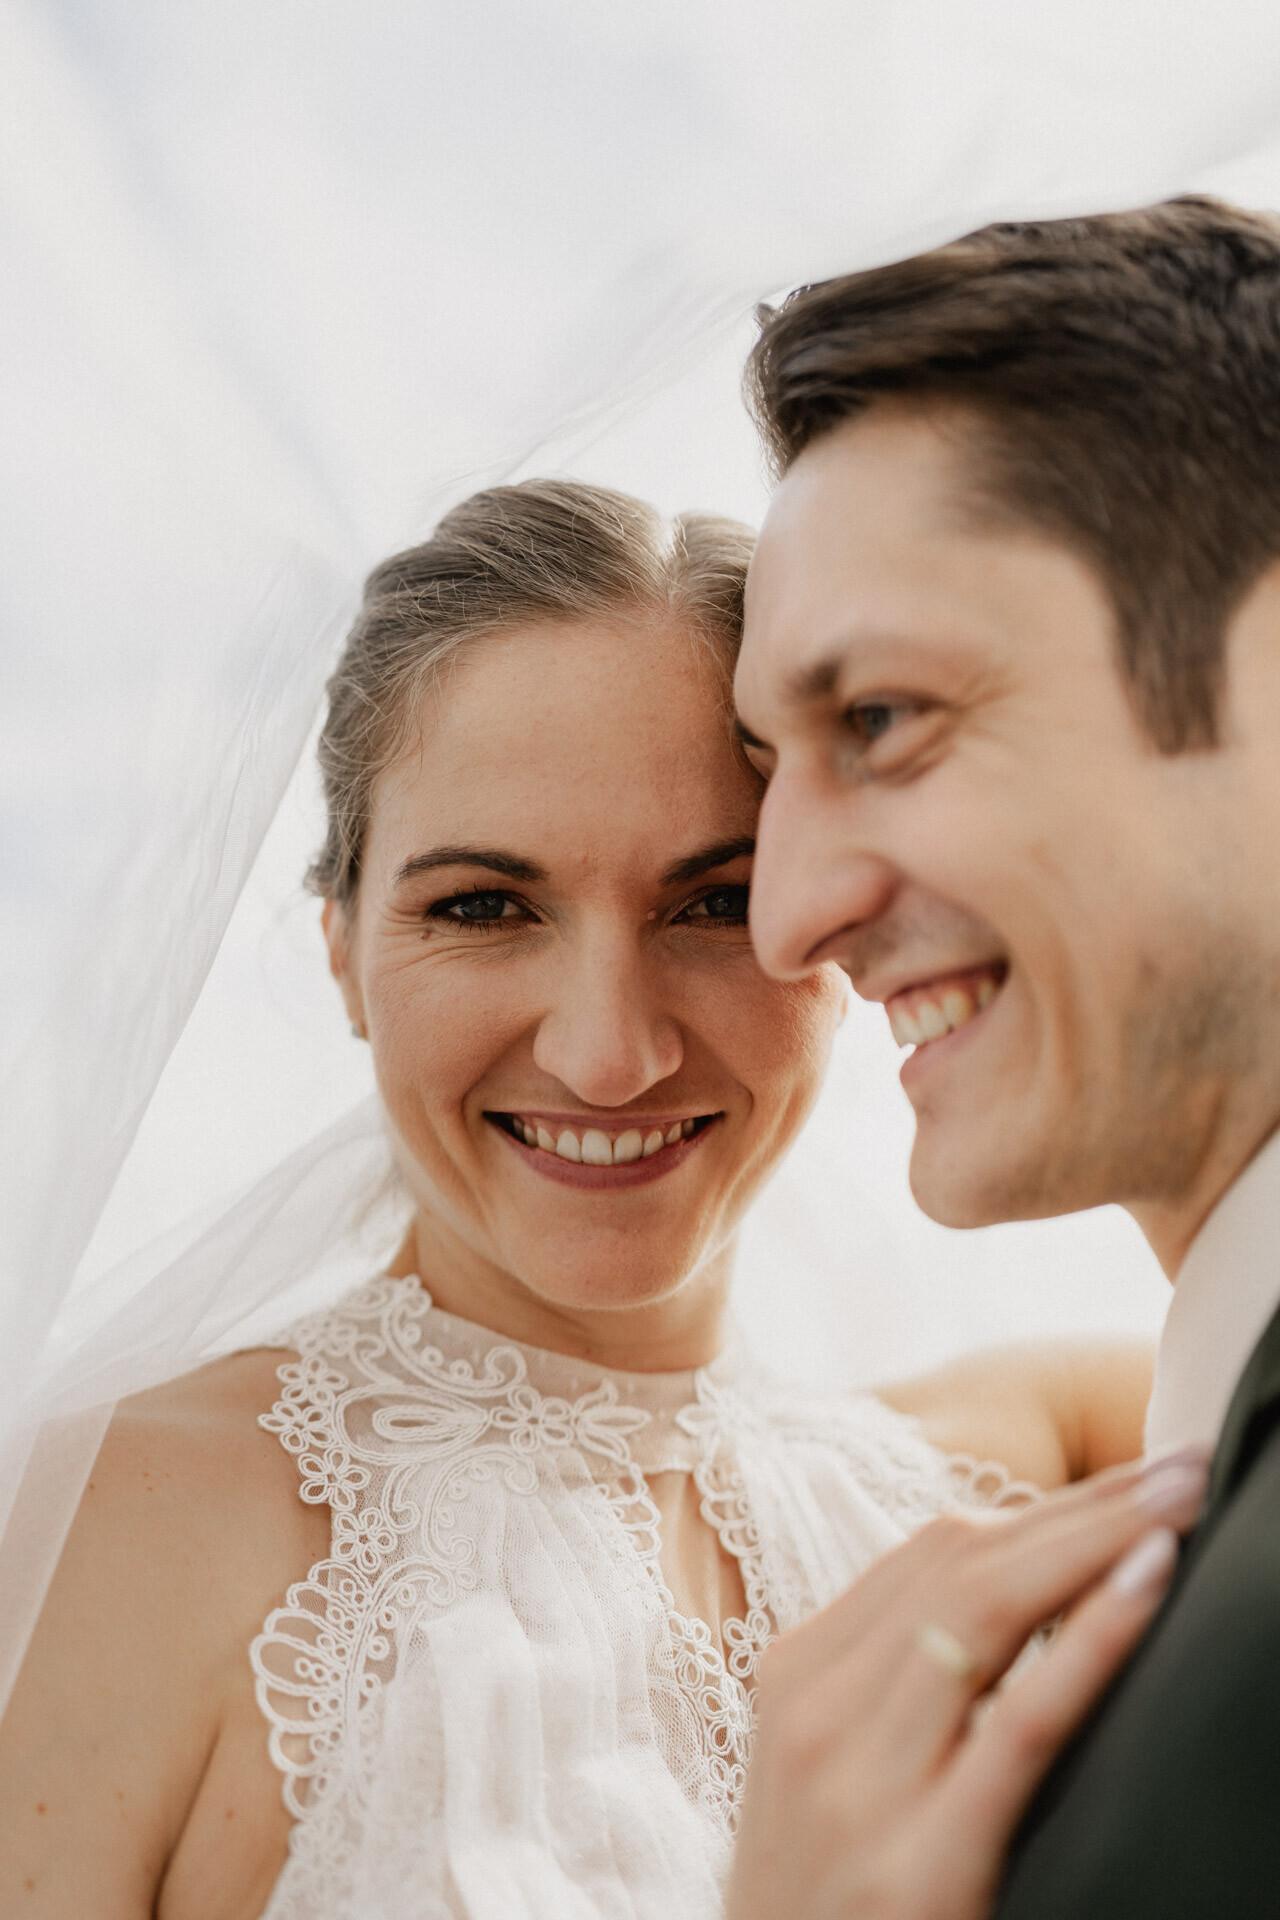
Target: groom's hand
x,y
876,1793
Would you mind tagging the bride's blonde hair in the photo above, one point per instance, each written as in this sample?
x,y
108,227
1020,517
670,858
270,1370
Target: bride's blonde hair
x,y
545,550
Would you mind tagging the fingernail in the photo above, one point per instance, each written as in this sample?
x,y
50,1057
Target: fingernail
x,y
1173,1485
1147,1565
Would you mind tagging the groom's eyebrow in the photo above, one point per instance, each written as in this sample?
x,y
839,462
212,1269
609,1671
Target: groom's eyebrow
x,y
707,859
805,688
493,859
818,681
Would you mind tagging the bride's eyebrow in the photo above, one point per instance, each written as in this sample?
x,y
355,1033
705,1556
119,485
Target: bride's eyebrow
x,y
718,854
511,865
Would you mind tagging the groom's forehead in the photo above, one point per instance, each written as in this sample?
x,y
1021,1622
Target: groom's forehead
x,y
817,622
883,554
864,514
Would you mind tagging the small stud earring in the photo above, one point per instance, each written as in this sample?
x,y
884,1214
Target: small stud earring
x,y
358,1030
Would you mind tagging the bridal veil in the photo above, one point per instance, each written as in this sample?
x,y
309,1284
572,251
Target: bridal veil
x,y
280,285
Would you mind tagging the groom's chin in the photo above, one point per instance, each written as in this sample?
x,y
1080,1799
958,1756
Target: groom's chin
x,y
962,1182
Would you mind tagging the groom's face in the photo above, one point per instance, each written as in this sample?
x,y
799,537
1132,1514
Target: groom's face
x,y
964,812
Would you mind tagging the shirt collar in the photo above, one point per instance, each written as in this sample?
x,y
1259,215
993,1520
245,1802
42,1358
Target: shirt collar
x,y
1227,1289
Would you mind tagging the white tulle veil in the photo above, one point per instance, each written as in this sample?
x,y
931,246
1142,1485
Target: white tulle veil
x,y
281,284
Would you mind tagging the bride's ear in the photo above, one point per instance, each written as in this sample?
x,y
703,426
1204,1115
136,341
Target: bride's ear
x,y
337,934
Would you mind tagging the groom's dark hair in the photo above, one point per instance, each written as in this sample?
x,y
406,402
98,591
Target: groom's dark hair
x,y
1121,374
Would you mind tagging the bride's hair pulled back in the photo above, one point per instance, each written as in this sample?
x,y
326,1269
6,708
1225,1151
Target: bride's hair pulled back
x,y
542,551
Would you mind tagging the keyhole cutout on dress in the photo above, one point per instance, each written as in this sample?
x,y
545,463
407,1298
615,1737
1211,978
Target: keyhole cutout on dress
x,y
705,1579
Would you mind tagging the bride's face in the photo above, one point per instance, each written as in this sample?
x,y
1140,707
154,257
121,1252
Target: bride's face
x,y
587,1073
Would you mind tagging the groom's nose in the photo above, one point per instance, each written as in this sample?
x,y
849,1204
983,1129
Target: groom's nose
x,y
813,888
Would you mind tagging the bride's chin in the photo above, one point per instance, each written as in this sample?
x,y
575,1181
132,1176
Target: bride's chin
x,y
591,1291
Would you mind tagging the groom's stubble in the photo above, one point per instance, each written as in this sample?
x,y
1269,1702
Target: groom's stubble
x,y
1190,1035
1192,1040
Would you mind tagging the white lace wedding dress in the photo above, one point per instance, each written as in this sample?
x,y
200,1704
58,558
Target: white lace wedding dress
x,y
485,1702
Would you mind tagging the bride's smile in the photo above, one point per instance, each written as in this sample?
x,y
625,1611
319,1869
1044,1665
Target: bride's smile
x,y
599,1158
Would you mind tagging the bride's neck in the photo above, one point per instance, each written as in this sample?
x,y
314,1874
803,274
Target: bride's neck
x,y
685,1329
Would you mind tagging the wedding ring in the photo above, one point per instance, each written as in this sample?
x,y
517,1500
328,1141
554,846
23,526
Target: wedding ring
x,y
946,1651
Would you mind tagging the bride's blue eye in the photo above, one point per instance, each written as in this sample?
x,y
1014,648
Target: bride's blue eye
x,y
722,903
475,909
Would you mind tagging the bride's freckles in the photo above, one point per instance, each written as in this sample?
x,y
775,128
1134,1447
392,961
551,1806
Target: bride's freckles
x,y
586,1073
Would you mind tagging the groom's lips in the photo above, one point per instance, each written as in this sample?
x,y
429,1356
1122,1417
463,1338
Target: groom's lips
x,y
929,1010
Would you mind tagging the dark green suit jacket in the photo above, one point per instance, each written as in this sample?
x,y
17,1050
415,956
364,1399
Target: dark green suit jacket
x,y
1167,1805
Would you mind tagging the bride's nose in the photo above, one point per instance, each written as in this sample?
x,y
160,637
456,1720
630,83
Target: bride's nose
x,y
605,1037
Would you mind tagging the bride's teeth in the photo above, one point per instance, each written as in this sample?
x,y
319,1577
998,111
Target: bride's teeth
x,y
596,1151
986,991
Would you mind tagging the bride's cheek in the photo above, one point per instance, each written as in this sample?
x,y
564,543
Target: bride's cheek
x,y
437,1030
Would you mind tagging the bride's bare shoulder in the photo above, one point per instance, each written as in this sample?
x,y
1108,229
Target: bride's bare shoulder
x,y
191,1455
189,1531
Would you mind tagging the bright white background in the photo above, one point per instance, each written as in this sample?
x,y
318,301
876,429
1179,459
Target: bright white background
x,y
280,284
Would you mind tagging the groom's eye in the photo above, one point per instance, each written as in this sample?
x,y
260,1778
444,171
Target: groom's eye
x,y
885,735
872,719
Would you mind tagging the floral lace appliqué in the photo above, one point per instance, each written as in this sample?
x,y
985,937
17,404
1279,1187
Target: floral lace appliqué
x,y
416,1429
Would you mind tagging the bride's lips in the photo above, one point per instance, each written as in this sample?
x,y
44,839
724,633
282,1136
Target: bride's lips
x,y
577,1151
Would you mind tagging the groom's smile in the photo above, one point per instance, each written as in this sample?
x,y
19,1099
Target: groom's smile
x,y
921,1014
965,813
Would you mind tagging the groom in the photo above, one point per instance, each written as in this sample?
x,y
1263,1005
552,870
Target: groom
x,y
1012,666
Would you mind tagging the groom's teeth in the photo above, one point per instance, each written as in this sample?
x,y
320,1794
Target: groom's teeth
x,y
933,1021
905,1030
545,1141
956,1007
928,1014
673,1134
652,1142
567,1146
628,1146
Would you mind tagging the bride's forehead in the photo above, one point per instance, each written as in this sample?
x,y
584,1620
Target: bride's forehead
x,y
627,809
553,706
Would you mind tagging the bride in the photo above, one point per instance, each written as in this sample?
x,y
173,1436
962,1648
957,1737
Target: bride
x,y
451,1601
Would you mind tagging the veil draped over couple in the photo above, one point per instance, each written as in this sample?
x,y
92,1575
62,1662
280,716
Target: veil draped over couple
x,y
507,1582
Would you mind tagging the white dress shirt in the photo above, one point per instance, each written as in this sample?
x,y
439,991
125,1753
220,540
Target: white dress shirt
x,y
1227,1289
